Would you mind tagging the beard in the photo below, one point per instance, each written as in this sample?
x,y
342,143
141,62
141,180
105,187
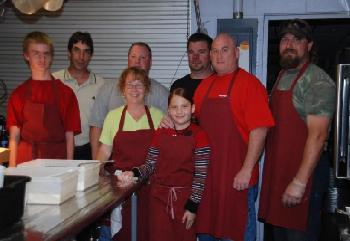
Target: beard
x,y
289,59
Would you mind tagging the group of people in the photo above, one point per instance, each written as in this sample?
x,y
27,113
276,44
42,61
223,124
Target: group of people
x,y
198,180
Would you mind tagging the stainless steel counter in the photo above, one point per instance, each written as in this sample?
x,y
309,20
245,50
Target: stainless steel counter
x,y
57,222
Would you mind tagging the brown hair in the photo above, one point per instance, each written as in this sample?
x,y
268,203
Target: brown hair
x,y
39,38
139,74
200,37
181,92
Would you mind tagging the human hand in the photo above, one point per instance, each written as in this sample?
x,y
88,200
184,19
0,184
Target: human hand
x,y
242,179
166,122
188,218
125,179
103,172
293,194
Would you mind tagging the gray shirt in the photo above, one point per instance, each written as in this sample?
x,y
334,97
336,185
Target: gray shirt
x,y
109,97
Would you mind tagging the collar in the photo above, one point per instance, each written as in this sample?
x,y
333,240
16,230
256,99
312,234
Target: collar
x,y
68,77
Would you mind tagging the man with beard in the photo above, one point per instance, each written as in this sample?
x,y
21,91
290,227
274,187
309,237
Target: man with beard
x,y
198,49
295,169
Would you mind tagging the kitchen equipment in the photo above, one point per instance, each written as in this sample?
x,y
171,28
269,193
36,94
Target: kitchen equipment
x,y
12,199
341,140
88,170
48,185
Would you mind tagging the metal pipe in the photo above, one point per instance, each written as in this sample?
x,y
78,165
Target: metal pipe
x,y
237,9
134,217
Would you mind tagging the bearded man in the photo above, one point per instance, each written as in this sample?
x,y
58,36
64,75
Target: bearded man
x,y
296,164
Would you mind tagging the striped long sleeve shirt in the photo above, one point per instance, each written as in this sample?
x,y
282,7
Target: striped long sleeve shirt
x,y
201,158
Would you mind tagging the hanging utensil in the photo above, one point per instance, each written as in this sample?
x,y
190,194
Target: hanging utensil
x,y
53,5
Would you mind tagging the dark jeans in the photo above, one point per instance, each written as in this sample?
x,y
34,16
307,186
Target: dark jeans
x,y
83,152
317,196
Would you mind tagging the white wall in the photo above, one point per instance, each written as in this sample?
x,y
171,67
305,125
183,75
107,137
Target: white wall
x,y
263,10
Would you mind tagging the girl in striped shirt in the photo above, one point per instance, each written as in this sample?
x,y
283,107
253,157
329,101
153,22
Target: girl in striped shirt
x,y
176,163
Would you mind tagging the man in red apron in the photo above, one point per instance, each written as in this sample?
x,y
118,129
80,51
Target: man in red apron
x,y
233,109
302,103
43,113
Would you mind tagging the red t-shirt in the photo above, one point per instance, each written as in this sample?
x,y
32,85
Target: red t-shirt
x,y
200,136
42,92
249,103
249,100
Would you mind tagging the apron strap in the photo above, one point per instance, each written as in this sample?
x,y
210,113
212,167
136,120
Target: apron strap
x,y
55,90
234,75
300,73
171,197
280,74
148,114
149,118
28,91
57,97
122,119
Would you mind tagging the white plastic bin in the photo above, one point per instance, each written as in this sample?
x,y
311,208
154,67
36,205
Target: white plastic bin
x,y
88,169
48,185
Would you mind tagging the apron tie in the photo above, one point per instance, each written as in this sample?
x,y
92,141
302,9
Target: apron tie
x,y
171,197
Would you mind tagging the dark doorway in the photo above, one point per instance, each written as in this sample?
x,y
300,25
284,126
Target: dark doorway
x,y
331,36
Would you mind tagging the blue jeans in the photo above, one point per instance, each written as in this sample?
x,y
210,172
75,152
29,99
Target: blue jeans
x,y
250,232
105,233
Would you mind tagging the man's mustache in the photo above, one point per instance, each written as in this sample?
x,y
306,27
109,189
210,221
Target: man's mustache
x,y
289,51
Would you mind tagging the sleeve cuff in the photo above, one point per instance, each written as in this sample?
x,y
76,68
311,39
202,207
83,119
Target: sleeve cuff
x,y
191,206
136,172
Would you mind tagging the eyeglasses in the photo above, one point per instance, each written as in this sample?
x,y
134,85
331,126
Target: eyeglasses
x,y
137,86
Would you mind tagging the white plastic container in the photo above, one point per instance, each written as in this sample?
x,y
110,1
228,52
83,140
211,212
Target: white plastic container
x,y
48,185
88,169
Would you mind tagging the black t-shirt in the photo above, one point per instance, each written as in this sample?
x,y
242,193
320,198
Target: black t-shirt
x,y
187,83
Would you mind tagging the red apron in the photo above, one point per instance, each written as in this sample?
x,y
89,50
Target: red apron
x,y
284,153
130,150
42,133
223,210
171,188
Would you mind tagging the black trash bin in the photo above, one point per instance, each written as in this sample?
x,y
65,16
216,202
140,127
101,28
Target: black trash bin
x,y
12,199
